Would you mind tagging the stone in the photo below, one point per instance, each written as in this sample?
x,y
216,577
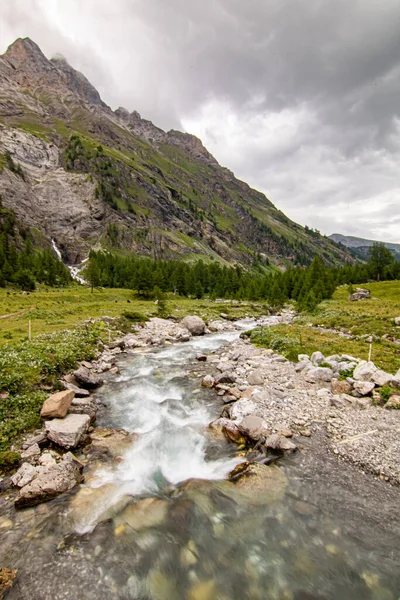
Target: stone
x,y
114,442
364,371
382,378
57,405
360,294
79,392
361,403
67,432
279,442
87,379
225,377
208,381
51,481
148,512
301,357
31,452
393,402
341,387
242,408
229,429
201,357
303,365
288,433
319,375
253,427
364,387
84,406
259,484
317,358
256,377
24,475
194,324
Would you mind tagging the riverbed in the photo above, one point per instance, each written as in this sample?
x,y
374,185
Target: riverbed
x,y
161,522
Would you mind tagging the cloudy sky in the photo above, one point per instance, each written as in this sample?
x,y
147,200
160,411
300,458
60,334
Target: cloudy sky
x,y
300,98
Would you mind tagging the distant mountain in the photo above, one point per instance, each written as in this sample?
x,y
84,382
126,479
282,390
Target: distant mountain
x,y
361,246
78,173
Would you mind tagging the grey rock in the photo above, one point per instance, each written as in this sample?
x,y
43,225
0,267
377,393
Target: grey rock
x,y
194,324
69,431
208,381
256,377
364,387
253,427
31,452
364,371
303,365
317,358
242,408
225,377
360,294
79,392
279,442
382,378
319,375
87,379
24,475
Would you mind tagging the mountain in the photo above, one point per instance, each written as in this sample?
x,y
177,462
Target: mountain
x,y
78,173
361,246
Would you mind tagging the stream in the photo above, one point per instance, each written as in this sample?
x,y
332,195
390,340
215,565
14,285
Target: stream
x,y
162,522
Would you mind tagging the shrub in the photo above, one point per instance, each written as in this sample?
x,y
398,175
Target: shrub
x,y
9,459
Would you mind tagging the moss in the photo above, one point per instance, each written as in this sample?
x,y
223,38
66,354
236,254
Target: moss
x,y
9,459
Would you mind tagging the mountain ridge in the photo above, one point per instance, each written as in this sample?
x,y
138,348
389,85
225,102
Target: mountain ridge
x,y
94,177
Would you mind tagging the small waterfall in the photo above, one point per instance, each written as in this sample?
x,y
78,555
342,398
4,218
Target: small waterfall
x,y
74,270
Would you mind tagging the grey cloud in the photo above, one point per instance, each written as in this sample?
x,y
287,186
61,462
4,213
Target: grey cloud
x,y
331,66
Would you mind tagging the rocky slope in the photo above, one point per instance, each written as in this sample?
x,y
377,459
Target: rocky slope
x,y
92,177
361,246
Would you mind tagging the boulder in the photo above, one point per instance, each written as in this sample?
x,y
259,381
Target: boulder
x,y
79,392
229,429
208,381
364,371
256,377
148,512
364,387
67,432
57,405
24,475
253,427
381,378
114,442
393,402
397,321
341,387
242,408
32,452
225,377
51,481
84,406
317,358
194,324
279,442
319,375
87,379
360,294
303,365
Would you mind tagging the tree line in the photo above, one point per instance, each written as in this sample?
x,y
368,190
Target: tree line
x,y
307,286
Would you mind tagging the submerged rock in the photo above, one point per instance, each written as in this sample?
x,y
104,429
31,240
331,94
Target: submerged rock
x,y
149,512
258,483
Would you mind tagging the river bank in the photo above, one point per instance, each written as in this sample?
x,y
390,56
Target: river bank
x,y
153,536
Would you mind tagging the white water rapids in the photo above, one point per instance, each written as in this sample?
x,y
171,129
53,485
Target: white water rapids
x,y
154,399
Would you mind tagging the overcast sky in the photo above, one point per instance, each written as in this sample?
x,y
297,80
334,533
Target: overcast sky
x,y
300,98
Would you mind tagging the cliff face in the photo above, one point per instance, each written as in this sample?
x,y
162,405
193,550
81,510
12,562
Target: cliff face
x,y
91,177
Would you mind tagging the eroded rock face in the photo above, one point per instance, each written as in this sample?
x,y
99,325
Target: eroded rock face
x,y
194,324
57,405
51,481
69,431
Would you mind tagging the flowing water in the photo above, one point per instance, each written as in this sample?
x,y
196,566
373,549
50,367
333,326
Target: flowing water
x,y
137,530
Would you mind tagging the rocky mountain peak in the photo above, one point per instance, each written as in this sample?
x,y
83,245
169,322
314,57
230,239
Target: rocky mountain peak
x,y
192,145
25,55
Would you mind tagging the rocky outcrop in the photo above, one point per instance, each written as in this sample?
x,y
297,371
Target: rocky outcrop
x,y
360,294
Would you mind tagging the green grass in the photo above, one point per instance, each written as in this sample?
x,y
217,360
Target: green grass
x,y
364,318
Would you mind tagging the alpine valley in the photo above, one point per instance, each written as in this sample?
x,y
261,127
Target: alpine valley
x,y
76,172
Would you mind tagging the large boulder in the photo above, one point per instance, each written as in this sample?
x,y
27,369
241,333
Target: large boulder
x,y
229,429
87,378
365,371
57,405
24,475
382,378
319,375
360,294
241,409
51,481
253,427
225,377
363,387
194,324
67,432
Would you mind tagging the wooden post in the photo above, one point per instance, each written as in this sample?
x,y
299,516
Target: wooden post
x,y
109,336
370,352
29,330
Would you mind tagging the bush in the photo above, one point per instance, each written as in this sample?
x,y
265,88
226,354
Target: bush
x,y
9,459
266,337
135,317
